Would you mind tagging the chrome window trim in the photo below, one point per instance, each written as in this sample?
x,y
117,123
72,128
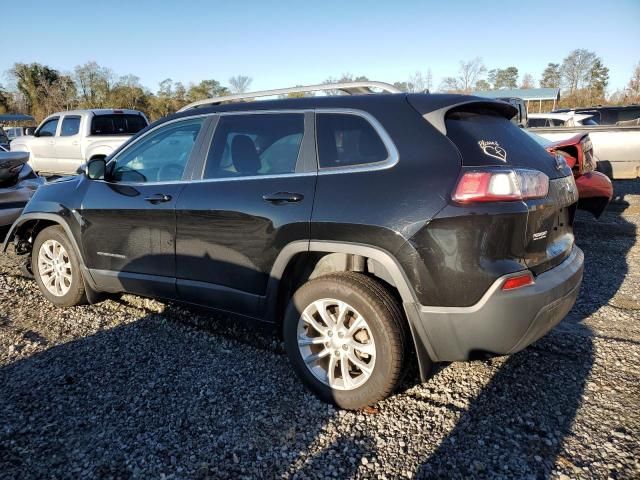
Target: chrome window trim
x,y
392,152
391,160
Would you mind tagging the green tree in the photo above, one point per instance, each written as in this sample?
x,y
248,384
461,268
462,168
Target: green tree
x,y
503,77
206,89
129,93
5,100
598,79
450,85
551,76
482,85
43,88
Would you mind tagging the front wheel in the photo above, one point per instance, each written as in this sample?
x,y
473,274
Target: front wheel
x,y
56,268
345,337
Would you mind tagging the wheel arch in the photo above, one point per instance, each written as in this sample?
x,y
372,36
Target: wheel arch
x,y
302,261
33,223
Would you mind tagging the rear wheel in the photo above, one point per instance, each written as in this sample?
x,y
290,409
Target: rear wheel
x,y
345,336
56,268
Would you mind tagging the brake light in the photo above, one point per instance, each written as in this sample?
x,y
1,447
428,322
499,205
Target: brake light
x,y
518,282
118,111
500,186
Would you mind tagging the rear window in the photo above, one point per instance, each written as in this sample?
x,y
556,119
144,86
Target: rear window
x,y
117,124
345,140
484,137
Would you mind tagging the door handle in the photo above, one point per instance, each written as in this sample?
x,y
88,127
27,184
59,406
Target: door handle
x,y
75,143
283,197
158,198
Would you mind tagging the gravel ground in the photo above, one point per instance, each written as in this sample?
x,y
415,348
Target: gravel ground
x,y
137,388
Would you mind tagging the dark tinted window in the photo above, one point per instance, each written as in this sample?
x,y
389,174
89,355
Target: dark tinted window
x,y
160,156
345,140
627,114
589,121
537,122
3,137
70,126
117,124
49,128
259,144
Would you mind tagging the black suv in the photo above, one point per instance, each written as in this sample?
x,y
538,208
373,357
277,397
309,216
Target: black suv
x,y
370,229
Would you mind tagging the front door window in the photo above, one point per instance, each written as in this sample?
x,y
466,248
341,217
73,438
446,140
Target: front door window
x,y
161,156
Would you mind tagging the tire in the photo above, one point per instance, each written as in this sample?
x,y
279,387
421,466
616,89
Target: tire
x,y
385,336
67,293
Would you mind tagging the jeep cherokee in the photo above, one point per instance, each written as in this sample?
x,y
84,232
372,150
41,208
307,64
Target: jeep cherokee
x,y
370,229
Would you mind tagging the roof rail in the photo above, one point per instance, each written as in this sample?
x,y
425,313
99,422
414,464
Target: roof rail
x,y
351,88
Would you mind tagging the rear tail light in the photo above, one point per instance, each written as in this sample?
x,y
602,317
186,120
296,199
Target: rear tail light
x,y
518,282
500,186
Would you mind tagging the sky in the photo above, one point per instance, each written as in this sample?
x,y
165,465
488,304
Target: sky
x,y
286,43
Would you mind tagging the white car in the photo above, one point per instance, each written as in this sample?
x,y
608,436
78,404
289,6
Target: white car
x,y
569,119
66,140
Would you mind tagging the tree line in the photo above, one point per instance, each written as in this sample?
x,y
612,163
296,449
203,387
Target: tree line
x,y
41,90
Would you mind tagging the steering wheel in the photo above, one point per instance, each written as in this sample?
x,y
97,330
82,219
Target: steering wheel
x,y
170,171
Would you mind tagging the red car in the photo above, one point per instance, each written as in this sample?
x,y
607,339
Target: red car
x,y
594,188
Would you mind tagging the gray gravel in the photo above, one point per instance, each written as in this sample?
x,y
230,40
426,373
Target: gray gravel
x,y
137,388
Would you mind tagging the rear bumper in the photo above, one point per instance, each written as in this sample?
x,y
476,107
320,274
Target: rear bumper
x,y
501,322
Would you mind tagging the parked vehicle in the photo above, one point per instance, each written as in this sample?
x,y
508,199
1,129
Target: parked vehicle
x,y
17,184
613,115
4,140
618,146
594,188
65,140
570,119
522,117
363,227
15,132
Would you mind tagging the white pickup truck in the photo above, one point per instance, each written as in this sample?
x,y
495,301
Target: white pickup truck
x,y
616,146
66,140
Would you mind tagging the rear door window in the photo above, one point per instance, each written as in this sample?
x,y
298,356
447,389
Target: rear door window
x,y
347,140
117,124
255,144
70,126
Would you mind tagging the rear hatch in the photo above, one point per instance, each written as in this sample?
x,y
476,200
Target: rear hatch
x,y
486,138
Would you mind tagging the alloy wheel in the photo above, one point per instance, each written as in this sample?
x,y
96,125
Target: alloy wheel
x,y
336,344
54,268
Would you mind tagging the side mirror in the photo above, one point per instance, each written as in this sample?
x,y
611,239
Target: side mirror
x,y
94,169
30,130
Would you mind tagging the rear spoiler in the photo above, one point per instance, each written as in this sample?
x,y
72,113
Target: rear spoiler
x,y
435,114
